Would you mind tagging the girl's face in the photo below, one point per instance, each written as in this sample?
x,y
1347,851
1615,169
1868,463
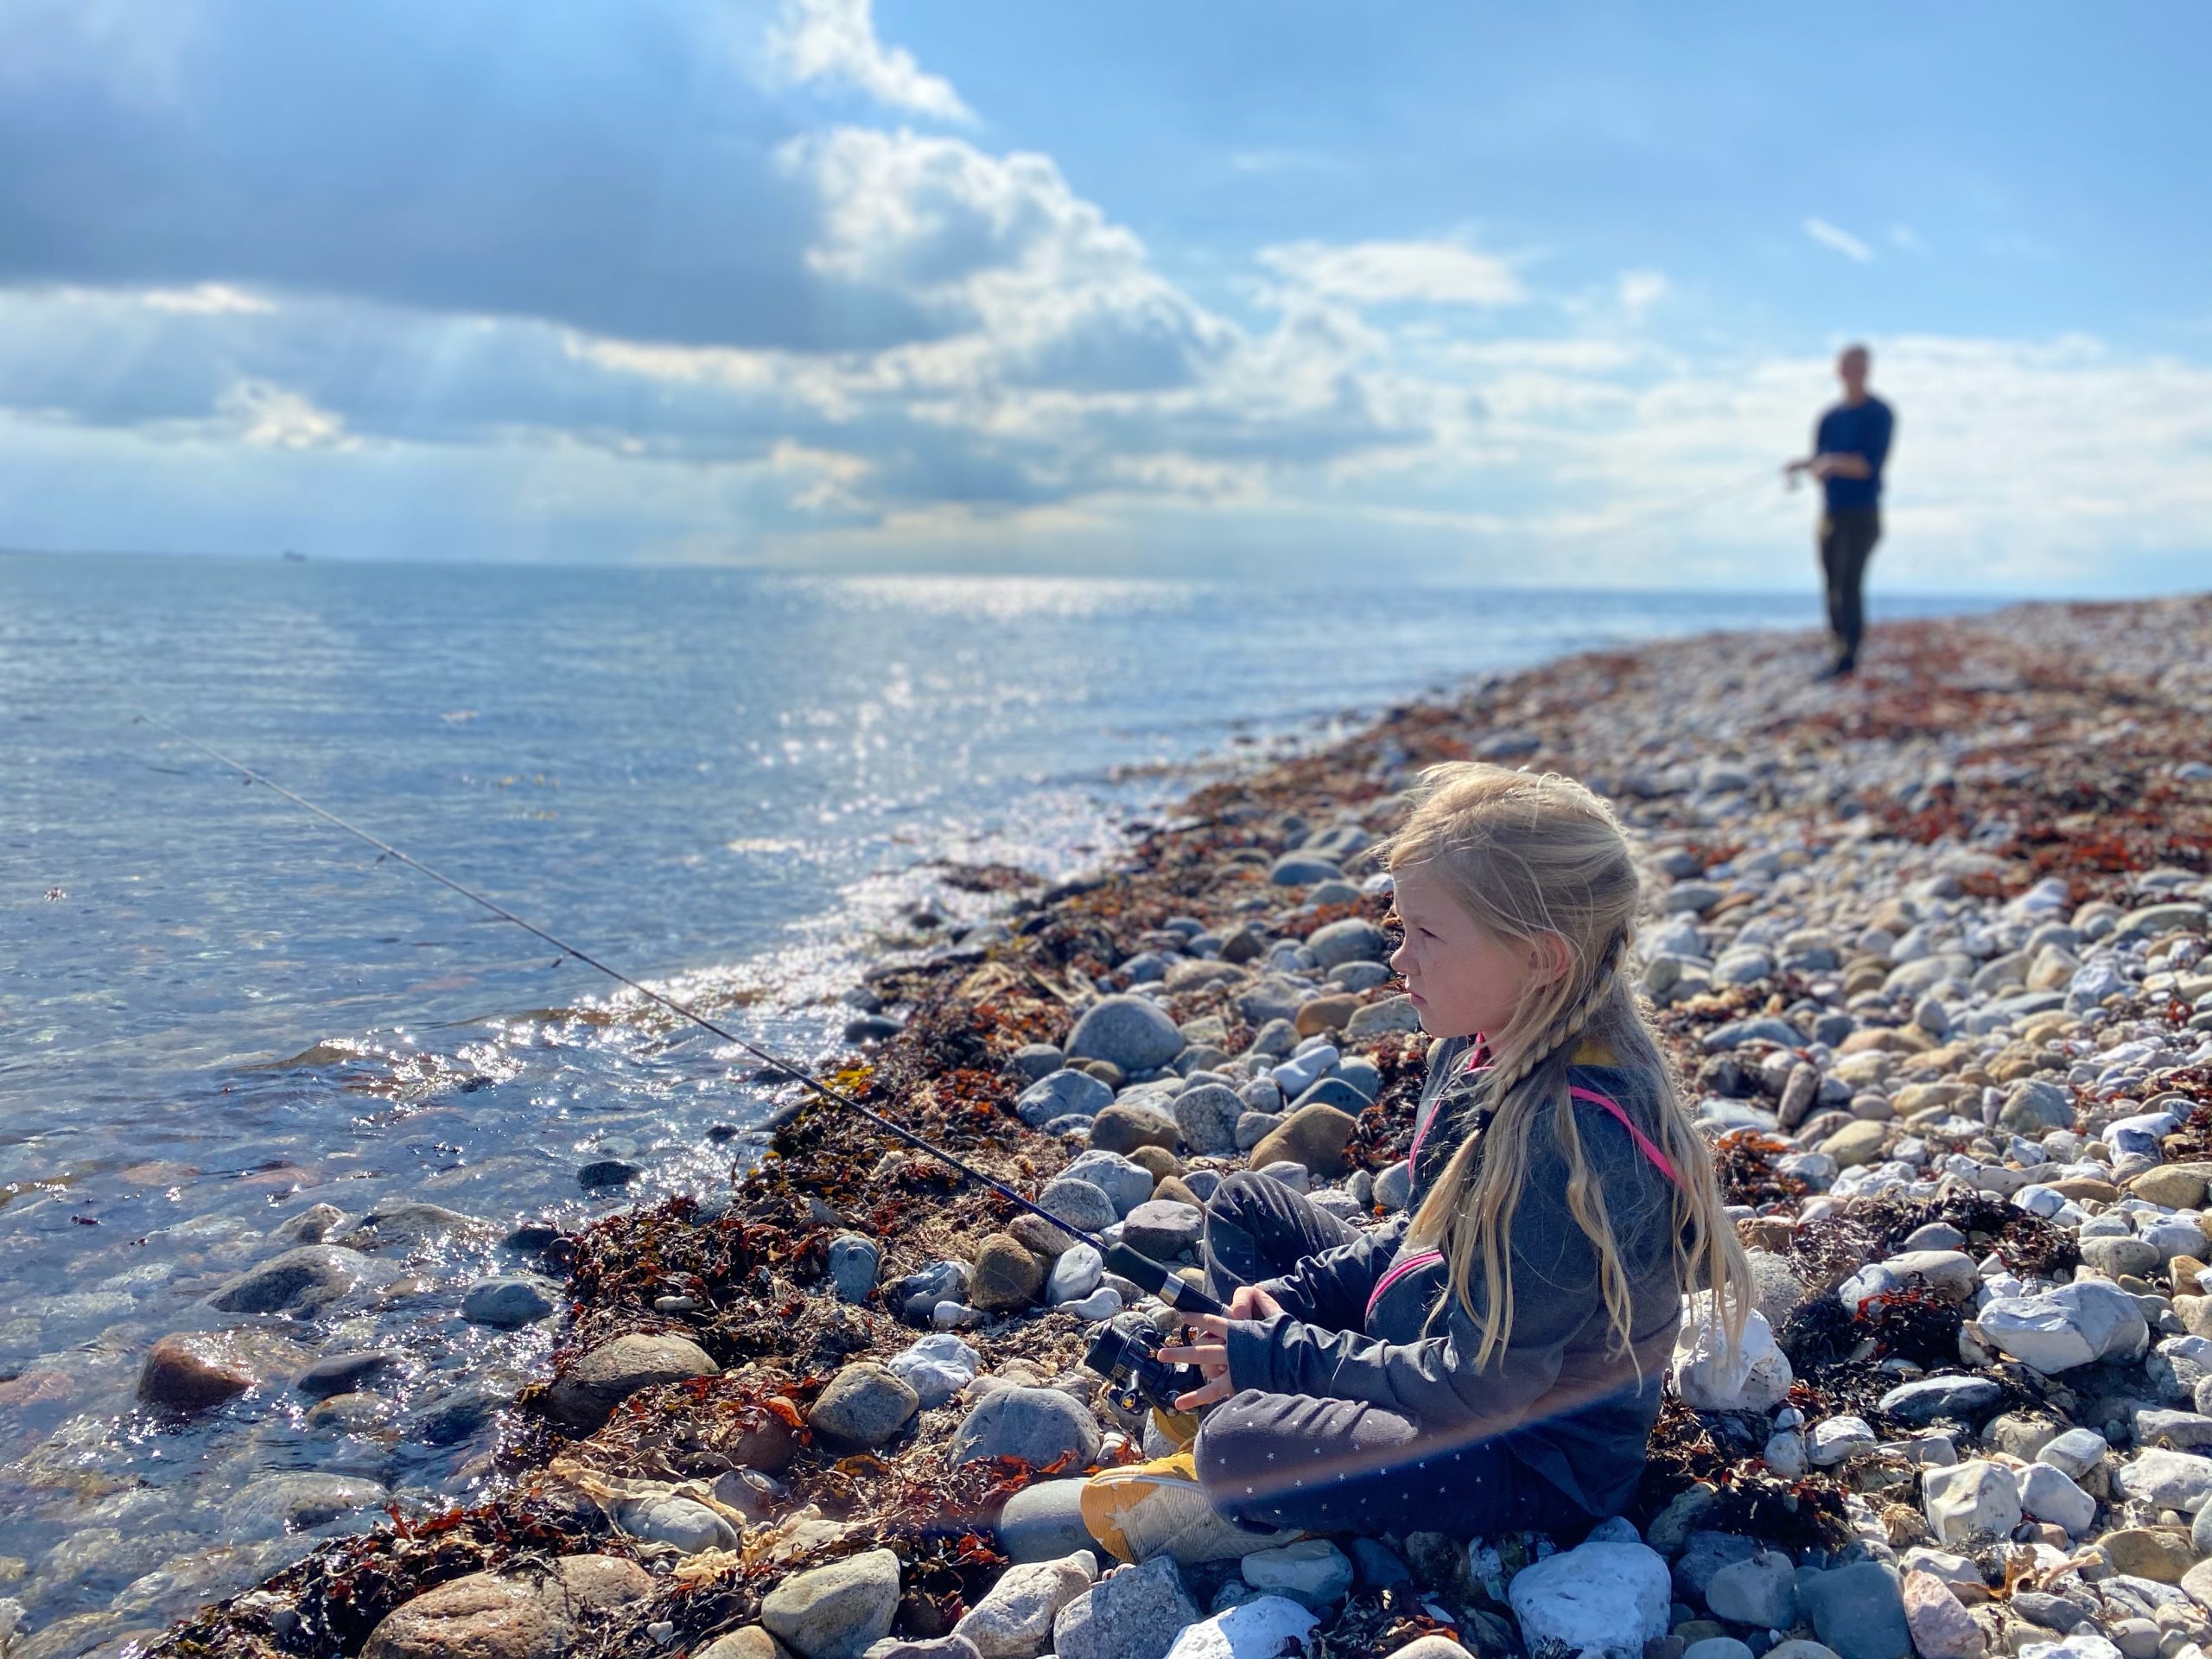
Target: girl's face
x,y
1462,978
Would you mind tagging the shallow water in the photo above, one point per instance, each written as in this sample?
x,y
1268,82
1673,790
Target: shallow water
x,y
219,1012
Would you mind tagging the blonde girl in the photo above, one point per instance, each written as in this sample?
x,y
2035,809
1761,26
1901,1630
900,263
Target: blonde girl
x,y
1495,1359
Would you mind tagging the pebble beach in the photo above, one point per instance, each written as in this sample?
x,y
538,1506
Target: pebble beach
x,y
1928,949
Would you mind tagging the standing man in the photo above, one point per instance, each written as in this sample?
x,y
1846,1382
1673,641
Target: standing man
x,y
1849,447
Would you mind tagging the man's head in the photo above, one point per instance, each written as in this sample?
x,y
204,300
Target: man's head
x,y
1851,366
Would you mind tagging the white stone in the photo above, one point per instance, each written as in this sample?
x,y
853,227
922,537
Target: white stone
x,y
2068,1326
1839,1440
1709,1376
685,1522
1014,1618
1259,1629
2172,1480
2074,1452
2048,1494
1607,1598
1312,1571
1970,1499
1785,1456
936,1368
2084,1643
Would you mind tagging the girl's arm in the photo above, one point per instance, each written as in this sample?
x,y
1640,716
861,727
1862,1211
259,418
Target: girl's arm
x,y
1434,1381
1331,1289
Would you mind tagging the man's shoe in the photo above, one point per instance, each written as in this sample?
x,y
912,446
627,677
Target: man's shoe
x,y
1153,1509
1841,669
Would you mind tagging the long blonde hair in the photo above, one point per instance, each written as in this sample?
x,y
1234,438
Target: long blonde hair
x,y
1528,856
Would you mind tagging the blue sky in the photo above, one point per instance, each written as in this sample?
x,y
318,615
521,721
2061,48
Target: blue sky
x,y
1449,291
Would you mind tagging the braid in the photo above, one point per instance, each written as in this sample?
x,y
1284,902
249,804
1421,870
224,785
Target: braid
x,y
1573,1018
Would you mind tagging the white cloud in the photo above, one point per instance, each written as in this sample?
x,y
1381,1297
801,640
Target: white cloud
x,y
204,300
1376,273
1639,290
269,416
836,41
1830,235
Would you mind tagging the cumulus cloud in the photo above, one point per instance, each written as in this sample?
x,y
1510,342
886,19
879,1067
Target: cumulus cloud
x,y
836,41
1377,273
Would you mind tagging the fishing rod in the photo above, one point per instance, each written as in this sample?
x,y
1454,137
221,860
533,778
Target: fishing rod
x,y
1140,1269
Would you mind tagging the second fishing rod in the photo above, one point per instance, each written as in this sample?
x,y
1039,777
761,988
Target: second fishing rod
x,y
1123,1358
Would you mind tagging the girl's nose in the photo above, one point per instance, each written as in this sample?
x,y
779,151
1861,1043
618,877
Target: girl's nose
x,y
1398,959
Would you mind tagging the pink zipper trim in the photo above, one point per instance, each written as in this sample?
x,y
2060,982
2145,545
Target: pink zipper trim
x,y
1399,1270
1664,1165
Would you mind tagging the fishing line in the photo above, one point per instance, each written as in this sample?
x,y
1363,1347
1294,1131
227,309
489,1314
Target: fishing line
x,y
1142,1270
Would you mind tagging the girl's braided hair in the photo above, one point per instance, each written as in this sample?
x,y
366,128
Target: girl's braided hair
x,y
1528,854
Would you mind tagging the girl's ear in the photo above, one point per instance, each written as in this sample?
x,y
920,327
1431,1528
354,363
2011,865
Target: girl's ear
x,y
1549,958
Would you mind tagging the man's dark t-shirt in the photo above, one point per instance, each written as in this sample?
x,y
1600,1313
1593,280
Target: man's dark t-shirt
x,y
1856,430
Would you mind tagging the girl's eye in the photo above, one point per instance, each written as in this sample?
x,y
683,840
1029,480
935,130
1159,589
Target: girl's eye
x,y
1426,934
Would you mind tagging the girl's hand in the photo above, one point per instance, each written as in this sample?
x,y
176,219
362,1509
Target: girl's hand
x,y
1251,1302
1209,1351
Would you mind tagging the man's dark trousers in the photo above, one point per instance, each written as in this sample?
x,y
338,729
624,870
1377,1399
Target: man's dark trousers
x,y
1848,538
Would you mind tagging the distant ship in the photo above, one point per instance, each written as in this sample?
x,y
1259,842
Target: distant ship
x,y
294,556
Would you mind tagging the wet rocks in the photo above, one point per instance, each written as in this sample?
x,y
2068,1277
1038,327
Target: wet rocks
x,y
190,1371
606,1174
864,1405
1039,1425
835,1611
506,1304
527,1616
1928,1398
408,1224
590,1389
1130,1031
1014,1618
1610,1598
300,1282
335,1374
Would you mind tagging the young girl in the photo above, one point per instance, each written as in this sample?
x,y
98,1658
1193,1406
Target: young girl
x,y
1493,1362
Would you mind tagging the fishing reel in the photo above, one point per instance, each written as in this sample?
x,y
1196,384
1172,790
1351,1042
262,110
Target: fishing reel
x,y
1128,1356
1136,1375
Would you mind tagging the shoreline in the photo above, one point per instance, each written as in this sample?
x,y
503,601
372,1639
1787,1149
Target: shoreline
x,y
947,1074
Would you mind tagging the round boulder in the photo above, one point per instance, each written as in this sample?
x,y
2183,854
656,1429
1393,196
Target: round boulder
x,y
1354,940
1007,1275
191,1371
1039,1425
1314,1135
864,1405
1130,1031
530,1616
298,1282
836,1611
583,1396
